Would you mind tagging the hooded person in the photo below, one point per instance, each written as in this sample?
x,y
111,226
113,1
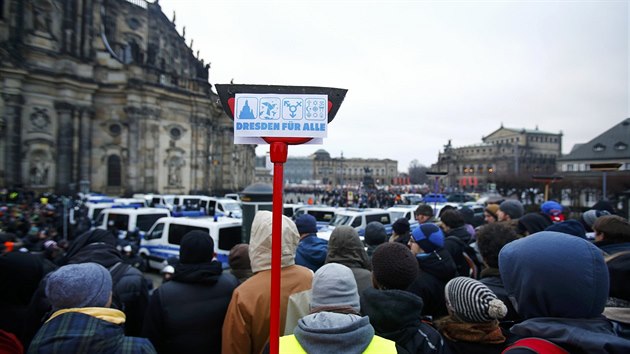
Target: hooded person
x,y
375,235
396,314
472,325
612,234
80,296
559,284
345,247
186,313
569,227
335,324
436,268
312,250
246,325
130,287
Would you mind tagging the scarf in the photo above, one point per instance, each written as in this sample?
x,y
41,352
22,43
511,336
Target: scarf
x,y
488,333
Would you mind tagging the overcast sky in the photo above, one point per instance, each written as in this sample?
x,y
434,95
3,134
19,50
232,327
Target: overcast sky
x,y
419,73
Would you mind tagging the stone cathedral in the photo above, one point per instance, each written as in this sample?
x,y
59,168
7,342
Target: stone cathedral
x,y
107,96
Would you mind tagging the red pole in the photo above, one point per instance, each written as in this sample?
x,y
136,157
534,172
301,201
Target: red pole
x,y
279,151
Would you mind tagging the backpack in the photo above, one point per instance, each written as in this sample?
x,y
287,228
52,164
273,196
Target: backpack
x,y
534,345
465,257
117,271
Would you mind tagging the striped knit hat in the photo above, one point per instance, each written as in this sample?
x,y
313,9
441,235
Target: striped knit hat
x,y
471,301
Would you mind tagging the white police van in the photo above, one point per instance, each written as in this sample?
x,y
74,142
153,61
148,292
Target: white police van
x,y
163,239
358,218
126,219
323,214
210,205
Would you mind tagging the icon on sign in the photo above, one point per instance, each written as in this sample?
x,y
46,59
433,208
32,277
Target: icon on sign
x,y
245,111
315,109
269,108
292,108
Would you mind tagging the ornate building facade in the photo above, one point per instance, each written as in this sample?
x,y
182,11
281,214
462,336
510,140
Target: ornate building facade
x,y
504,153
353,171
105,95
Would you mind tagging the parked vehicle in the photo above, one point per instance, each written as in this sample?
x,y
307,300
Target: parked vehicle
x,y
323,214
128,219
434,198
358,218
163,239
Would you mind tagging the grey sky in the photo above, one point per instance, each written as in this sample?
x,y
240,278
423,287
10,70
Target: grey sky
x,y
419,73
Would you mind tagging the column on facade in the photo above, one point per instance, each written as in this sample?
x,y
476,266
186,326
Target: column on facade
x,y
85,150
13,137
64,147
133,143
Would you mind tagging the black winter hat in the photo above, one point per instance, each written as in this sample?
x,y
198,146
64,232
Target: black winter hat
x,y
401,226
375,233
394,266
196,247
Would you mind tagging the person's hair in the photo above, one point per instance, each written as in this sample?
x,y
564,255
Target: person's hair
x,y
424,209
452,218
614,228
491,238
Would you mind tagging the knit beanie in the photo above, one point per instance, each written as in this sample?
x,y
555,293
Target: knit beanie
x,y
196,247
513,208
79,285
570,227
590,216
375,233
552,209
306,224
492,210
429,237
401,226
471,301
394,266
334,286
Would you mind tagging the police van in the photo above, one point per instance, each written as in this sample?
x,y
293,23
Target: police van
x,y
323,214
358,218
127,219
210,205
163,239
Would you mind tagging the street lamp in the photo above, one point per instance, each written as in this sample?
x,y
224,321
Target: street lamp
x,y
547,180
604,168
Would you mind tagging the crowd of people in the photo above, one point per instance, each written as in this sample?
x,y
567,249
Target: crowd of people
x,y
521,282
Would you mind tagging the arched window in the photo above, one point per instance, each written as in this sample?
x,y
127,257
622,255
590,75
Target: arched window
x,y
113,171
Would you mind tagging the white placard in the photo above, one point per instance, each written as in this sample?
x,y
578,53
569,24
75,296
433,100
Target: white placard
x,y
278,115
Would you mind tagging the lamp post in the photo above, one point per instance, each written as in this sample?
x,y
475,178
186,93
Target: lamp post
x,y
547,180
605,168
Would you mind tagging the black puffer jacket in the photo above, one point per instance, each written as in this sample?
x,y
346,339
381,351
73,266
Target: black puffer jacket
x,y
396,315
187,317
436,269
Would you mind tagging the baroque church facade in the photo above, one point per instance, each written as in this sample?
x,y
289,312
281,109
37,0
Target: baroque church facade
x,y
106,96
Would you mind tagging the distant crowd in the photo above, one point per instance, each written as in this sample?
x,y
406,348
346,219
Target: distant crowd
x,y
521,282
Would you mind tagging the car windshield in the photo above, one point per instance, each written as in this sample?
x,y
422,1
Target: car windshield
x,y
339,220
232,207
397,214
